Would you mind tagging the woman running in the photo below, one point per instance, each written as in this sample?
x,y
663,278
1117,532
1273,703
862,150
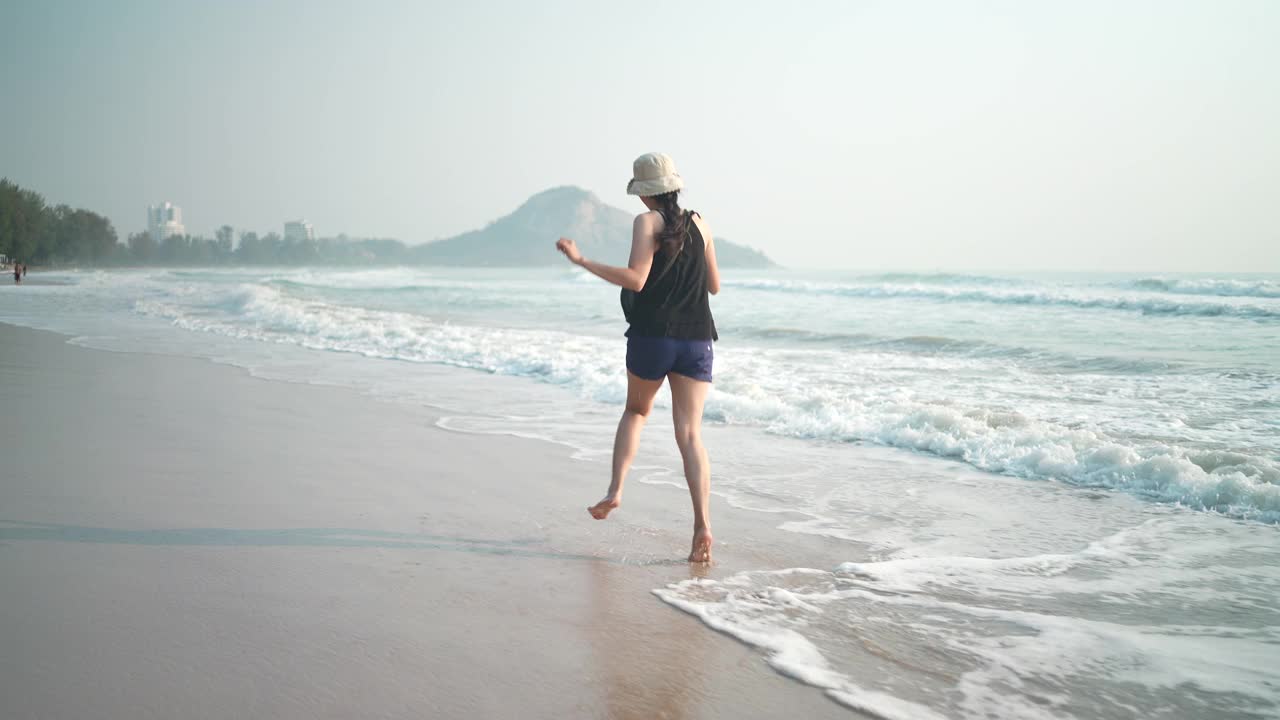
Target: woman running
x,y
664,297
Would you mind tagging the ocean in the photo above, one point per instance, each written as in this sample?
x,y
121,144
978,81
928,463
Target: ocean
x,y
1050,495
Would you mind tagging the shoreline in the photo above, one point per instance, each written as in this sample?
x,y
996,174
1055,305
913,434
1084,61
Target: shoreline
x,y
437,464
189,539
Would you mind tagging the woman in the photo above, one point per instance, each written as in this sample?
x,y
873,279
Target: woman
x,y
664,289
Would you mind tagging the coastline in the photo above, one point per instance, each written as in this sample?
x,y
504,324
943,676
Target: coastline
x,y
185,539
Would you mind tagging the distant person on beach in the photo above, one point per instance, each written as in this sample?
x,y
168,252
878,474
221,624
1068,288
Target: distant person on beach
x,y
17,272
24,269
664,298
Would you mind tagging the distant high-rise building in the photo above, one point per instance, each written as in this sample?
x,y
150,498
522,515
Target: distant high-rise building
x,y
299,230
164,220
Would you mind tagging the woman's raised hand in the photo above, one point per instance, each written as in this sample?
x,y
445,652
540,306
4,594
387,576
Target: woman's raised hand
x,y
570,250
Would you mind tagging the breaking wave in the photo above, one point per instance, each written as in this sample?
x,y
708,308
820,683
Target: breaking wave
x,y
1234,483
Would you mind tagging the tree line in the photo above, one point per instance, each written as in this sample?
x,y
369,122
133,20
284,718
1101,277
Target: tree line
x,y
34,232
269,249
31,231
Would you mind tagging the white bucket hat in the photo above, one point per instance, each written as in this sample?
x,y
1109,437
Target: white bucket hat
x,y
653,174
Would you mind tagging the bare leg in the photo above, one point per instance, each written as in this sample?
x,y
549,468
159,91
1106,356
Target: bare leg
x,y
687,398
640,394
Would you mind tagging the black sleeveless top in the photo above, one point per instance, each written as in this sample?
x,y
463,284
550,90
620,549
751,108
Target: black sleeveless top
x,y
674,301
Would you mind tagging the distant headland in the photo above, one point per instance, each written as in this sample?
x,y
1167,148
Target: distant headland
x,y
520,238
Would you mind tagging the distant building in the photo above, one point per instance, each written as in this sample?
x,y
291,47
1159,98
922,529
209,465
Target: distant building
x,y
299,230
164,220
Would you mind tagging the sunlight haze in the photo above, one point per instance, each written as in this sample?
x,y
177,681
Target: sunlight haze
x,y
927,135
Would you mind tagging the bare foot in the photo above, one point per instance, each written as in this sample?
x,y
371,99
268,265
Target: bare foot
x,y
602,509
701,552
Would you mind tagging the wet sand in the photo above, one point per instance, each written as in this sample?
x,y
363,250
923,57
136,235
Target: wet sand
x,y
180,539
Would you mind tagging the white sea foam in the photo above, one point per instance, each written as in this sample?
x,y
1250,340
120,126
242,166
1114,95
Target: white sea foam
x,y
262,312
1205,441
823,395
753,621
1071,634
1237,483
1226,287
1258,308
965,594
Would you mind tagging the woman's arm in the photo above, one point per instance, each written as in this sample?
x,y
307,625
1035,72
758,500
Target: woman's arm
x,y
632,276
713,270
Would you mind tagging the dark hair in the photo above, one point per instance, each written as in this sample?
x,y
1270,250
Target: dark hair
x,y
675,221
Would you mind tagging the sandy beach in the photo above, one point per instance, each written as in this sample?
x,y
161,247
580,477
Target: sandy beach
x,y
181,539
334,327
312,493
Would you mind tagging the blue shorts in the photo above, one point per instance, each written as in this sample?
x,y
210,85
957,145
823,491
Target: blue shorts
x,y
652,358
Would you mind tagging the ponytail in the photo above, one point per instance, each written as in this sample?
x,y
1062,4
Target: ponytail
x,y
675,222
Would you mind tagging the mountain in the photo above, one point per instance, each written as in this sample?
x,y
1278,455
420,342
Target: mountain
x,y
527,236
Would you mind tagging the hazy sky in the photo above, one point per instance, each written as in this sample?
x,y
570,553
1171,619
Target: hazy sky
x,y
931,135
